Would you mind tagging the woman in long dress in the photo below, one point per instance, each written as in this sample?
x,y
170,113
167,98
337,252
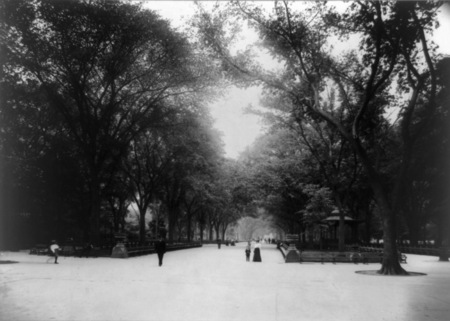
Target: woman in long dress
x,y
257,252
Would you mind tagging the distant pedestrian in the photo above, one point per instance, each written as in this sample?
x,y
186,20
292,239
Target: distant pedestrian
x,y
219,243
248,250
160,248
257,252
54,249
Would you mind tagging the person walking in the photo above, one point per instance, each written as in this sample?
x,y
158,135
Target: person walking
x,y
219,243
160,248
54,249
247,252
257,252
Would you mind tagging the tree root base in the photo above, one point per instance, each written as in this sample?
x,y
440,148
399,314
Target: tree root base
x,y
377,272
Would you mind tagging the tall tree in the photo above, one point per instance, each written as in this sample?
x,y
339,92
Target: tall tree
x,y
393,37
105,66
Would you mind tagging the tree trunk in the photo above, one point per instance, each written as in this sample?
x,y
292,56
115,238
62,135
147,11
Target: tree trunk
x,y
443,237
189,227
224,229
142,227
217,230
94,213
210,232
173,214
367,225
6,208
391,264
201,228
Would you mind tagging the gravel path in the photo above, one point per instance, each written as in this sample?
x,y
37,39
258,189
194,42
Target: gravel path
x,y
218,285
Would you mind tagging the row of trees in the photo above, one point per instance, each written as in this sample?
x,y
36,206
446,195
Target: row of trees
x,y
335,106
103,106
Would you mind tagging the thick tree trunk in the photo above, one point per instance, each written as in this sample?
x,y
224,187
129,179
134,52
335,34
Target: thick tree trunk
x,y
391,264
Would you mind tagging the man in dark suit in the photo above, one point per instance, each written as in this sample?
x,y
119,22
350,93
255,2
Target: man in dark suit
x,y
160,248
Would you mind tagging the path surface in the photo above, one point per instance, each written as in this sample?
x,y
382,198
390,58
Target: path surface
x,y
217,285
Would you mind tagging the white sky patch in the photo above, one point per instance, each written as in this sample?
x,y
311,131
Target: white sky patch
x,y
239,129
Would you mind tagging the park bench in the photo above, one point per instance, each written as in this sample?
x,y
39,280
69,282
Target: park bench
x,y
377,257
40,249
283,247
321,257
347,257
132,249
140,250
372,257
182,246
67,250
421,250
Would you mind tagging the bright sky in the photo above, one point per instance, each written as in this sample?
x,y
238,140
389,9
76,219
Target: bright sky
x,y
240,129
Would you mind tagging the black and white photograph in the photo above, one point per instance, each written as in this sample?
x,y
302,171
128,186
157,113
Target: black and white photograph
x,y
224,160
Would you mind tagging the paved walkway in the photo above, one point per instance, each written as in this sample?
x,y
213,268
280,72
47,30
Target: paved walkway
x,y
217,285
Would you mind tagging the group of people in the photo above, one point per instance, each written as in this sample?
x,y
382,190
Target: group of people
x,y
160,249
256,247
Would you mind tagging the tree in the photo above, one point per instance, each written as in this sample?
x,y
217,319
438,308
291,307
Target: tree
x,y
392,37
106,67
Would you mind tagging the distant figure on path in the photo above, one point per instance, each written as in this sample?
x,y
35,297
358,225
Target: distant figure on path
x,y
257,252
54,249
160,248
219,243
248,250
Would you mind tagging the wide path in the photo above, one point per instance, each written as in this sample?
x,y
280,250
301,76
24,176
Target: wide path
x,y
217,285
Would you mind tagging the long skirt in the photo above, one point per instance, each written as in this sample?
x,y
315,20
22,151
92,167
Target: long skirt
x,y
256,255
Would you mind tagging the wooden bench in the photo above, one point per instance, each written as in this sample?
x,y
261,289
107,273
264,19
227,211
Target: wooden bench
x,y
181,246
149,249
326,257
140,250
347,257
283,248
40,249
377,257
321,257
372,257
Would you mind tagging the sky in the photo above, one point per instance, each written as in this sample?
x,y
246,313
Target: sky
x,y
238,128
